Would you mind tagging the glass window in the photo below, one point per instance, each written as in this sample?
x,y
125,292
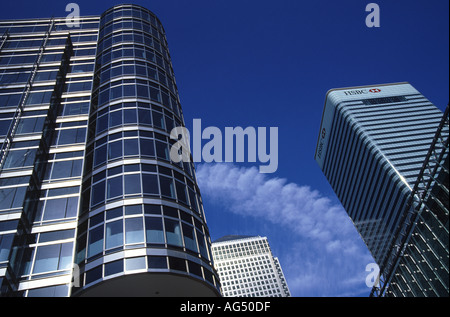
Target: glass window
x,y
95,220
115,170
113,267
56,235
61,169
142,91
51,291
114,234
94,274
30,125
27,259
173,232
114,187
141,70
177,264
167,187
181,192
114,213
5,246
129,91
100,155
102,123
158,119
19,158
67,136
115,118
72,207
55,209
152,209
162,150
76,168
150,184
133,210
47,258
129,116
117,71
154,94
195,268
116,92
193,200
98,193
115,150
63,191
135,263
144,116
154,230
157,262
131,147
201,244
170,212
65,258
128,70
189,238
7,195
95,241
152,73
134,230
147,147
103,96
81,135
132,184
169,124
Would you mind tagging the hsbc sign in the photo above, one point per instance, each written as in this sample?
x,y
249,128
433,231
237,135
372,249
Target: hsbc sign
x,y
362,91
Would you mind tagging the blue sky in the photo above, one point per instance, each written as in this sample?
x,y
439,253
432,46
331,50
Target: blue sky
x,y
269,64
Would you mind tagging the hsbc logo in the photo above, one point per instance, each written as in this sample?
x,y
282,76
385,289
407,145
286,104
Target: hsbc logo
x,y
323,134
362,91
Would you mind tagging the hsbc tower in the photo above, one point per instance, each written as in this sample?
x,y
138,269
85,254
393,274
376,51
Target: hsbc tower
x,y
384,151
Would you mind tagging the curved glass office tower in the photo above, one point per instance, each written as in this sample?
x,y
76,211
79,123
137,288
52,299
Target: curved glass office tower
x,y
90,202
142,230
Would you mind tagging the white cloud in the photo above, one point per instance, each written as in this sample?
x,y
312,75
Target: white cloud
x,y
247,192
325,252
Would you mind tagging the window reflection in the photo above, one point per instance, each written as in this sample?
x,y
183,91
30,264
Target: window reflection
x,y
154,230
173,232
53,257
134,230
114,234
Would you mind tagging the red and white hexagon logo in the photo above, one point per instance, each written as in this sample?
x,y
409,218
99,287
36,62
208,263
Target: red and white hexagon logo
x,y
375,90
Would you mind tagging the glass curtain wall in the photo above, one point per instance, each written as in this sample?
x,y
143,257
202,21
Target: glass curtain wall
x,y
141,212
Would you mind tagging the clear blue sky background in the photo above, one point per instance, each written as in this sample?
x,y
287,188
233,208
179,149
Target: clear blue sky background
x,y
269,64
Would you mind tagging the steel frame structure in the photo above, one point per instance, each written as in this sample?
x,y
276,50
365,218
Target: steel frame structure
x,y
433,164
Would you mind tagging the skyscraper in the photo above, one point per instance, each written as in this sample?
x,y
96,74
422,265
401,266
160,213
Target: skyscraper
x,y
90,202
372,146
247,267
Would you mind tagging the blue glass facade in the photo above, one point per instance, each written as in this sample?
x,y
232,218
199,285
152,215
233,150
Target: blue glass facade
x,y
91,204
372,144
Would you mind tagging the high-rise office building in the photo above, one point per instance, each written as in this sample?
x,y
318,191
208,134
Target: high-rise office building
x,y
247,267
372,147
90,202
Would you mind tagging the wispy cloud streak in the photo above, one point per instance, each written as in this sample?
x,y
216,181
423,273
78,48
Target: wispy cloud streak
x,y
325,255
